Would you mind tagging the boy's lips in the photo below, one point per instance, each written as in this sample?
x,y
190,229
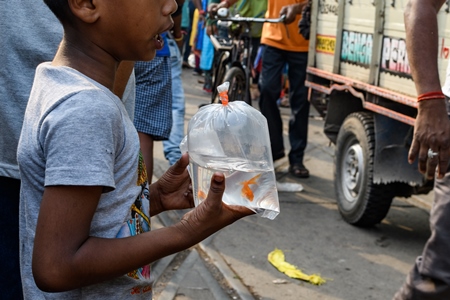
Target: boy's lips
x,y
159,42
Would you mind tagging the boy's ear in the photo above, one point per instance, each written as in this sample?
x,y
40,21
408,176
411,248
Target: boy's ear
x,y
85,10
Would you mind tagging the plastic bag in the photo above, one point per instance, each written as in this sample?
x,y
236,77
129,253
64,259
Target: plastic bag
x,y
232,138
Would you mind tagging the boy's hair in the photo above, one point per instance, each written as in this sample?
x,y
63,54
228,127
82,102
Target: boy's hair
x,y
60,9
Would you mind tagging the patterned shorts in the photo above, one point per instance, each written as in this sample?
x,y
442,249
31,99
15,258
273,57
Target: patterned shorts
x,y
153,109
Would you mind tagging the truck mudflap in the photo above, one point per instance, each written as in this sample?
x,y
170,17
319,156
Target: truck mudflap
x,y
393,139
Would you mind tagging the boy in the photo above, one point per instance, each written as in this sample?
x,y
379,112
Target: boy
x,y
85,211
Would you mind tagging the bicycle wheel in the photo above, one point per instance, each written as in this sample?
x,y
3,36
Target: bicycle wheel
x,y
238,85
220,68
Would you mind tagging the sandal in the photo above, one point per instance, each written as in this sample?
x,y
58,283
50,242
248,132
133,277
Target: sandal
x,y
299,171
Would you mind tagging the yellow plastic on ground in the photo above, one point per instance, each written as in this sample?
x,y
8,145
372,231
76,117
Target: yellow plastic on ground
x,y
276,258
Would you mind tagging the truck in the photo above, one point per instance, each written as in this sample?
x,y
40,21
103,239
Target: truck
x,y
360,82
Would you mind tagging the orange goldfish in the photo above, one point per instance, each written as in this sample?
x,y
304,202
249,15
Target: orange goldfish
x,y
246,190
201,194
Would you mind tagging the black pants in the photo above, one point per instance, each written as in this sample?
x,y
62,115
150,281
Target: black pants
x,y
10,282
273,63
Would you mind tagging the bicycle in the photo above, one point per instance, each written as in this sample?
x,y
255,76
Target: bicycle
x,y
233,62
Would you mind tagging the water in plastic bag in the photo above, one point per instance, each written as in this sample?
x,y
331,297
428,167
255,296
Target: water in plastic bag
x,y
232,138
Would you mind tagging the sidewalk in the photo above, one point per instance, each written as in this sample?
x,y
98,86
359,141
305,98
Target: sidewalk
x,y
198,273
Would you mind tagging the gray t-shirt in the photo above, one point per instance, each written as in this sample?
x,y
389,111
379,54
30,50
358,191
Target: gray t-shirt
x,y
77,132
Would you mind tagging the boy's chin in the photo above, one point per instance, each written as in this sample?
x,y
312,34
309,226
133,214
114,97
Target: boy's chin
x,y
149,56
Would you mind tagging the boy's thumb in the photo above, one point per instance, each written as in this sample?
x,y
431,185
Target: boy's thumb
x,y
217,186
182,163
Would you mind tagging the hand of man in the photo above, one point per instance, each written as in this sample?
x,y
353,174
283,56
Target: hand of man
x,y
291,12
431,134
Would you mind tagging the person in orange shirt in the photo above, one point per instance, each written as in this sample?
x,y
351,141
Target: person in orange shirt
x,y
285,45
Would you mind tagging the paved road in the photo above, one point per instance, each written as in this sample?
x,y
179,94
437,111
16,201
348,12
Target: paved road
x,y
358,263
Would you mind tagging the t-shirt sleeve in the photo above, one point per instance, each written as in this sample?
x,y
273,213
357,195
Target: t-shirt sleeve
x,y
81,137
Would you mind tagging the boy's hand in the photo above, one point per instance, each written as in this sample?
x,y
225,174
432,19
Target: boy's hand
x,y
212,214
173,190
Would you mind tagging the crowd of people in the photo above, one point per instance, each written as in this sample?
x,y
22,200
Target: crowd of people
x,y
85,93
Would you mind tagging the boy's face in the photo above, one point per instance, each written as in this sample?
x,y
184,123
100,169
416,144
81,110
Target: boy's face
x,y
131,28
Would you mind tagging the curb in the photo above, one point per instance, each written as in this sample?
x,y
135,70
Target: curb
x,y
228,274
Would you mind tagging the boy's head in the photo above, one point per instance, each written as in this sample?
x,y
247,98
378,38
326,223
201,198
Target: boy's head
x,y
121,29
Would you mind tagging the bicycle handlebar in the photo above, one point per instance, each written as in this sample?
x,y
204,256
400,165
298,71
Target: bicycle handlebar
x,y
252,20
222,15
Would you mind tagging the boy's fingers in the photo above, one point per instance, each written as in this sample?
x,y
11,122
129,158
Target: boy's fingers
x,y
182,163
217,187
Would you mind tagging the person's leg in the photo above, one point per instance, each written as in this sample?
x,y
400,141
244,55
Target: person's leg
x,y
256,42
270,87
430,277
298,100
172,145
10,282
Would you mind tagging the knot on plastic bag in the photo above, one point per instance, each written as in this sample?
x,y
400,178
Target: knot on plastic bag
x,y
223,92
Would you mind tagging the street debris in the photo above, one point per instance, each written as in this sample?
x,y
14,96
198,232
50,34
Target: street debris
x,y
289,187
279,281
276,258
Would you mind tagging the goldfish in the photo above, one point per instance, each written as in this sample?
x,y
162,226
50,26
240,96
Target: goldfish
x,y
246,190
201,195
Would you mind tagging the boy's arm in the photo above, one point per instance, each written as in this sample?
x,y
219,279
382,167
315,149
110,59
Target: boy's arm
x,y
65,257
432,127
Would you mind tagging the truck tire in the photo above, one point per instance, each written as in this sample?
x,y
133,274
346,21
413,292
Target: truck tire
x,y
238,85
360,201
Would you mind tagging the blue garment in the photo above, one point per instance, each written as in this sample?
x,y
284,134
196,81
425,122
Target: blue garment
x,y
164,52
200,34
201,28
207,55
171,147
152,113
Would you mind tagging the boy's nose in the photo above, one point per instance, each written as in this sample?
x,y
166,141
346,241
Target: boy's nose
x,y
173,7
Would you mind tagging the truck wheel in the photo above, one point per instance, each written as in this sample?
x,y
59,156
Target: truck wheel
x,y
360,201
